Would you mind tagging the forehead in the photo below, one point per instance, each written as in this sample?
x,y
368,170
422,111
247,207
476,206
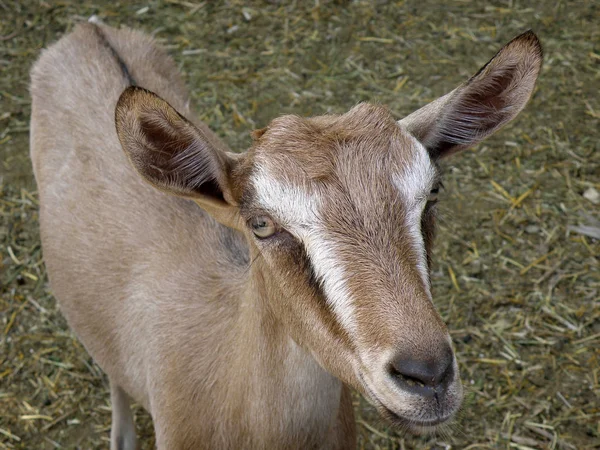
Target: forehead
x,y
363,157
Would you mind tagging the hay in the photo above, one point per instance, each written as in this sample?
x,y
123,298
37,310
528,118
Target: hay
x,y
516,264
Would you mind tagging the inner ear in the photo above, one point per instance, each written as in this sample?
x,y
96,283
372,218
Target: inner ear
x,y
181,159
169,151
257,134
479,109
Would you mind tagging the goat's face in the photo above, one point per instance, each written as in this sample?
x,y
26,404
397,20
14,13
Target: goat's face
x,y
339,212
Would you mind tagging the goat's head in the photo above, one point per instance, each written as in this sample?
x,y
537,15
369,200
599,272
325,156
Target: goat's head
x,y
339,215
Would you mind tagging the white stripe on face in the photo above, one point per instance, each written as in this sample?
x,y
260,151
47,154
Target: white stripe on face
x,y
414,185
298,211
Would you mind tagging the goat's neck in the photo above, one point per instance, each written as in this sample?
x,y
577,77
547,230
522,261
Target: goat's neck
x,y
275,374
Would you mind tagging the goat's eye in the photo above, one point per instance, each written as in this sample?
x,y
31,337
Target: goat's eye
x,y
263,226
433,195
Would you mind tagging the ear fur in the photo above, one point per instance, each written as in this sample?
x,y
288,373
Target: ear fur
x,y
172,154
486,102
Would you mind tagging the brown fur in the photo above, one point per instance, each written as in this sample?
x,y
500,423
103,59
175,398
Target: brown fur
x,y
229,341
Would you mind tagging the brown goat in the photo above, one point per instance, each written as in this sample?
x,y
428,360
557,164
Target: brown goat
x,y
237,297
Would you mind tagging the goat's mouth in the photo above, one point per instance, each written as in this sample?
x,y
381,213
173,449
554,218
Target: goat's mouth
x,y
414,425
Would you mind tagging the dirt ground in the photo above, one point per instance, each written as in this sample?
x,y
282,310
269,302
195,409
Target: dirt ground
x,y
516,273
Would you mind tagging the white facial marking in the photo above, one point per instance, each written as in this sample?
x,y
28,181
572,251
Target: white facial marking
x,y
293,206
298,211
414,185
415,182
328,269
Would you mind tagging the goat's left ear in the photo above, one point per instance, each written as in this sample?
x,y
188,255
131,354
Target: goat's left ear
x,y
490,99
175,156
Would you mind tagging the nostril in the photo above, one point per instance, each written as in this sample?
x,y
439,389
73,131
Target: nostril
x,y
419,374
408,379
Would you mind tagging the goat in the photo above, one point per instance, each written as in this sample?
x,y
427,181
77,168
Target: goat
x,y
239,296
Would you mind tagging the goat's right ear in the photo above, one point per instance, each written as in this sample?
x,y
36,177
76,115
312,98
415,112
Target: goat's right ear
x,y
173,155
482,105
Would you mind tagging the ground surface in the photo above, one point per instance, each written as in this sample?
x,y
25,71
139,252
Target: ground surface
x,y
519,289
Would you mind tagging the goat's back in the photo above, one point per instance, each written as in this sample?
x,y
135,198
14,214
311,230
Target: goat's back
x,y
128,264
75,85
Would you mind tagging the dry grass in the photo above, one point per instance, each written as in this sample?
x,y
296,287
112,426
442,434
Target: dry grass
x,y
516,274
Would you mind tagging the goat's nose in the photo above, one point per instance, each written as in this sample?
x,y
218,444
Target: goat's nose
x,y
423,374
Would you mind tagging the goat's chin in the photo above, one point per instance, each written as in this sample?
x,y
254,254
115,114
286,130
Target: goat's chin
x,y
414,426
